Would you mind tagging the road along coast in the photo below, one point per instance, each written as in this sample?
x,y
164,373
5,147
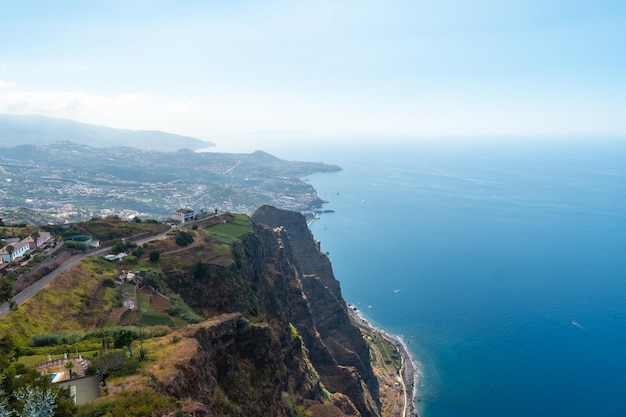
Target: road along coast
x,y
407,376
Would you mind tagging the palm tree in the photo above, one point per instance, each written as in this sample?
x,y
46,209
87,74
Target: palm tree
x,y
10,249
35,235
69,365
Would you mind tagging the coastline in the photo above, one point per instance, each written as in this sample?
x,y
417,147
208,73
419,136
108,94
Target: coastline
x,y
408,370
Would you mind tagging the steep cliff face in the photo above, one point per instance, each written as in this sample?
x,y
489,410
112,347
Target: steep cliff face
x,y
278,328
242,369
337,349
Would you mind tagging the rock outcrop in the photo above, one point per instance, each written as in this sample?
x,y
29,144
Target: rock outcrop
x,y
278,339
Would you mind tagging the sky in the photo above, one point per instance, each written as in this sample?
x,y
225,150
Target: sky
x,y
226,70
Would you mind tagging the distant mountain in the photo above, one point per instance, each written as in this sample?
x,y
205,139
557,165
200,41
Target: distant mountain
x,y
41,130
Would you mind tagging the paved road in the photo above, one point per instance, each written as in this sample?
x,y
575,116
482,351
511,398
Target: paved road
x,y
37,286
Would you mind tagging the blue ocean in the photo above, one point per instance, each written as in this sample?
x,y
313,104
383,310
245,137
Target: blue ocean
x,y
501,264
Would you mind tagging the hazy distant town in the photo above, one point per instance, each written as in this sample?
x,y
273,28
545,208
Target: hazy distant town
x,y
67,182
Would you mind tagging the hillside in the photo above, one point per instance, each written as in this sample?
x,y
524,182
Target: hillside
x,y
41,130
236,317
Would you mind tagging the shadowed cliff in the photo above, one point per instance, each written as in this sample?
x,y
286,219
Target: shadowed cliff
x,y
277,327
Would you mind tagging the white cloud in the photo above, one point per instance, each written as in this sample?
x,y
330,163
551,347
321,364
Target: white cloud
x,y
6,85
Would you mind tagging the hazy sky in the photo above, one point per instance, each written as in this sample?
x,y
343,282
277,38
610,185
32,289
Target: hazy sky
x,y
222,69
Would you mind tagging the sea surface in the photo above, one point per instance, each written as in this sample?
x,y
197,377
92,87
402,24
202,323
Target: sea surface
x,y
501,264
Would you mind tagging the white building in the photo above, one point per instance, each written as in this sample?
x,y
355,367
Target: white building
x,y
43,238
19,249
184,215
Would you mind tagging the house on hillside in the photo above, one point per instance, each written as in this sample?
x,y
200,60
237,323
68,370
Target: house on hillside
x,y
83,389
183,215
19,249
41,239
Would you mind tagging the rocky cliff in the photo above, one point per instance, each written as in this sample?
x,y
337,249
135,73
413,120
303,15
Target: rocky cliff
x,y
278,339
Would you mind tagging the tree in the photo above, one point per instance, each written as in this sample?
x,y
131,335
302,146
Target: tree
x,y
118,247
10,249
155,256
184,238
35,235
69,365
37,402
6,290
4,408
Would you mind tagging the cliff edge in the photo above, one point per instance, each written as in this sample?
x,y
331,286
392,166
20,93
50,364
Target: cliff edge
x,y
277,327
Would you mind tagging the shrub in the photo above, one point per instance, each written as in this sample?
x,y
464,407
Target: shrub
x,y
108,282
184,238
181,310
123,338
55,339
116,364
129,404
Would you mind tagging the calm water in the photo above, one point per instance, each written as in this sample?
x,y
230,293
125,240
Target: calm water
x,y
503,267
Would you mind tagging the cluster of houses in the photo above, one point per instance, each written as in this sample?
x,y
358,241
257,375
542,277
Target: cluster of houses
x,y
130,277
17,248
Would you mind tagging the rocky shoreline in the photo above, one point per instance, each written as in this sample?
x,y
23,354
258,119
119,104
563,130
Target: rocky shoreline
x,y
409,368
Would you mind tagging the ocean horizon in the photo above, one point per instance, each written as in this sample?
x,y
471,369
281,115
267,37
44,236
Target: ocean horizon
x,y
499,264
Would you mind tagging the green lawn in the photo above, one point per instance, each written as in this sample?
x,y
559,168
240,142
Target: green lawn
x,y
156,319
232,231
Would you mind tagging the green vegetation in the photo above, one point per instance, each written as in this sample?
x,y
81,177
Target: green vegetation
x,y
129,404
79,310
108,229
231,231
22,390
382,352
184,238
62,307
6,290
70,244
181,310
128,333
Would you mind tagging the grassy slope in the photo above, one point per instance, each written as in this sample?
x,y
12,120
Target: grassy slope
x,y
231,231
71,302
58,308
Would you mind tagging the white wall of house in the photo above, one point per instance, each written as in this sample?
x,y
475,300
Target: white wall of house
x,y
19,249
183,215
43,238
